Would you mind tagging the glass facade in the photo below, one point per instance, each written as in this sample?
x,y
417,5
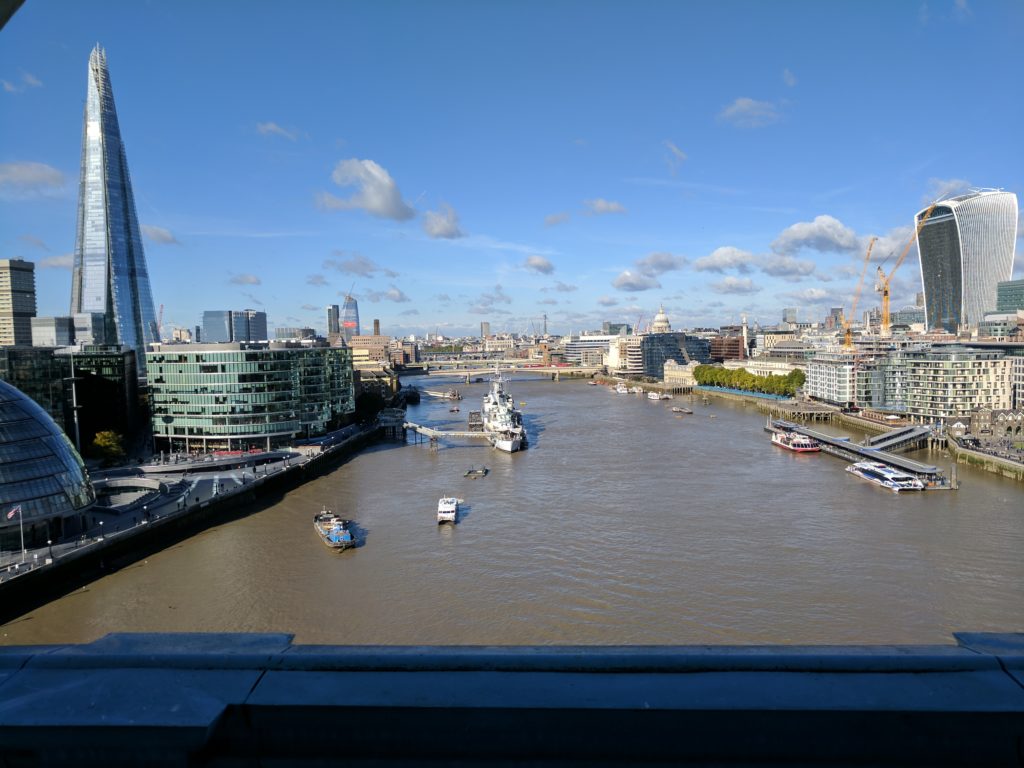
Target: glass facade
x,y
247,396
966,247
1010,296
42,478
350,318
109,274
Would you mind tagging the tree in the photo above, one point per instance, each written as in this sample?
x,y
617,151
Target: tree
x,y
368,405
109,446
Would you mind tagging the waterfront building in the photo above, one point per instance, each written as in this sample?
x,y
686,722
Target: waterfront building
x,y
502,343
658,348
909,316
109,274
350,318
587,349
17,301
990,425
678,376
53,331
831,377
625,356
241,396
945,382
966,247
1009,295
370,351
333,319
760,366
44,488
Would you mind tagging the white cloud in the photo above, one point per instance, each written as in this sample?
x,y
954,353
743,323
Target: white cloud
x,y
393,293
676,156
607,301
273,129
159,235
548,302
443,297
750,113
245,279
311,307
539,264
316,280
26,181
9,87
826,234
786,266
553,219
724,258
34,241
65,261
31,80
659,263
376,193
356,264
811,296
443,223
635,281
409,312
565,287
599,206
788,78
737,285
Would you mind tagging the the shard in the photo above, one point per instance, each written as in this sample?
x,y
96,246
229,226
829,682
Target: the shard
x,y
109,275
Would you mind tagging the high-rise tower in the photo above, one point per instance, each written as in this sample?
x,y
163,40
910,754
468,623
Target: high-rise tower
x,y
966,247
333,319
109,274
350,318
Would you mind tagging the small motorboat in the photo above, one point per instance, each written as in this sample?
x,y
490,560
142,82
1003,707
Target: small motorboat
x,y
453,409
333,530
475,472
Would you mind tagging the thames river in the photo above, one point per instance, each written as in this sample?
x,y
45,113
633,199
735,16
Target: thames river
x,y
622,524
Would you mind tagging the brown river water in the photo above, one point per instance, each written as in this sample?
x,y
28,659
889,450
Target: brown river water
x,y
622,524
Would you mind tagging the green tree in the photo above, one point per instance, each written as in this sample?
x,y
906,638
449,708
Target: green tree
x,y
108,446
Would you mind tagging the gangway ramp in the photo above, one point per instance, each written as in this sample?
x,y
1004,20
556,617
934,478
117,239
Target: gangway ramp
x,y
898,438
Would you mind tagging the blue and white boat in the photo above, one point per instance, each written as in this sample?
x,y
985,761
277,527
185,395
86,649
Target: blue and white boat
x,y
333,530
886,476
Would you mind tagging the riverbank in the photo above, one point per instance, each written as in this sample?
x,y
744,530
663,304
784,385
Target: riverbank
x,y
193,502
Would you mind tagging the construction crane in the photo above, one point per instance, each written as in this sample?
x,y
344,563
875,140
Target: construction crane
x,y
848,321
883,280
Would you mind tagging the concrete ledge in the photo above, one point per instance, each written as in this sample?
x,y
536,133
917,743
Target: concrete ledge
x,y
238,699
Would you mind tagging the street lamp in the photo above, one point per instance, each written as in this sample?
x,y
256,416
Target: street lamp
x,y
101,529
49,543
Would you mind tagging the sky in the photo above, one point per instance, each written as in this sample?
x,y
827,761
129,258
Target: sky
x,y
457,162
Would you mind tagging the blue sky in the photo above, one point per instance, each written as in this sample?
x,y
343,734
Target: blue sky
x,y
461,161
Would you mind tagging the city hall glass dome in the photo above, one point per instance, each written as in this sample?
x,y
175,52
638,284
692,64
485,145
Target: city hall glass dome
x,y
40,471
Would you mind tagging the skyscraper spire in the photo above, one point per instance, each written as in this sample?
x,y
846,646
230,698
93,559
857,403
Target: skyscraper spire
x,y
109,274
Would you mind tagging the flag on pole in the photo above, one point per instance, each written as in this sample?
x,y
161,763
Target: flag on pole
x,y
14,511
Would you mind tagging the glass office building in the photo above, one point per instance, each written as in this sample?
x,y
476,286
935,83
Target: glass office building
x,y
44,488
350,318
966,246
109,274
247,396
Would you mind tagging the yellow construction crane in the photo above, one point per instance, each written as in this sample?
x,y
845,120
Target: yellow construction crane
x,y
848,338
882,283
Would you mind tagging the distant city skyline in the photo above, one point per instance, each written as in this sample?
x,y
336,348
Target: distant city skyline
x,y
463,164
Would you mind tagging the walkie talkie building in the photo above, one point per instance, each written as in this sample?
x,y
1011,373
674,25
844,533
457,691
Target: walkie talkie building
x,y
109,271
966,246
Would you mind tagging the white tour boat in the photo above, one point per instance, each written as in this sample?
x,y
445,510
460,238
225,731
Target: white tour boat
x,y
886,476
447,509
794,441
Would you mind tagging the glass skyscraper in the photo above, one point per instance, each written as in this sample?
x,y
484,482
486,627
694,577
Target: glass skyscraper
x,y
350,318
966,247
109,273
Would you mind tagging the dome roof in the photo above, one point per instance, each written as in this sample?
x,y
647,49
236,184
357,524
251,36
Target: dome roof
x,y
660,323
40,471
